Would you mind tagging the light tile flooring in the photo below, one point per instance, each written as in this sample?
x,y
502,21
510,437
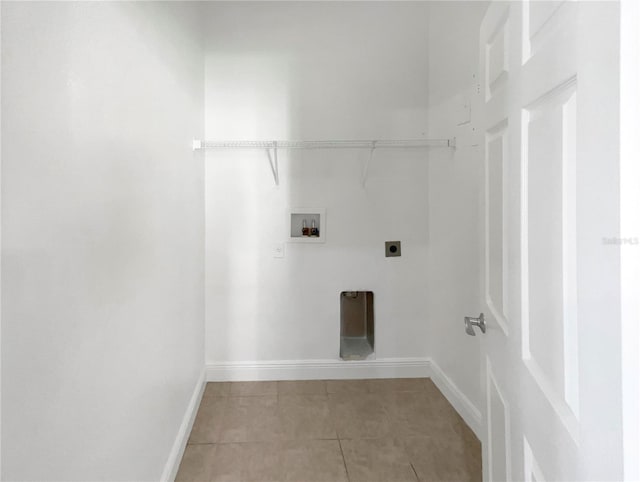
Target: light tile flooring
x,y
391,430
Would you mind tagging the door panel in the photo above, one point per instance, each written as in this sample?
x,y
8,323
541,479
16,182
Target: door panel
x,y
496,56
537,26
545,418
532,471
495,252
549,346
499,434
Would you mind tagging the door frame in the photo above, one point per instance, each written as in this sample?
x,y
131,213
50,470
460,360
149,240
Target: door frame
x,y
630,232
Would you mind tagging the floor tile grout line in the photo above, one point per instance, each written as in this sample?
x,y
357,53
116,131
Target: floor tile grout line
x,y
265,442
414,471
344,461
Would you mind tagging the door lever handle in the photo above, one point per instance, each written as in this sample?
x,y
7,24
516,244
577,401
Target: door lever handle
x,y
470,322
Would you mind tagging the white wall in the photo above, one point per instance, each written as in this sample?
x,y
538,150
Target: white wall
x,y
455,184
314,71
102,228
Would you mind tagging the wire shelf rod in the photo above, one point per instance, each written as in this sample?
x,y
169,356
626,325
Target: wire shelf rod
x,y
325,144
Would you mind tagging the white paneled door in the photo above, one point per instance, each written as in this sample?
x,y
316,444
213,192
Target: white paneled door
x,y
549,75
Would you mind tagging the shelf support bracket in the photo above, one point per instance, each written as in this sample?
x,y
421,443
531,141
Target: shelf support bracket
x,y
273,163
365,168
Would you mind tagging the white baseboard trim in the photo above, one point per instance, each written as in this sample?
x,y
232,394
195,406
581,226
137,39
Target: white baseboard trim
x,y
177,451
318,369
467,410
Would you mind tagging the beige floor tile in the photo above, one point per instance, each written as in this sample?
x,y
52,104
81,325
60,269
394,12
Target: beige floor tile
x,y
444,411
228,463
264,462
377,460
209,419
312,461
413,413
461,428
347,386
246,462
472,446
290,434
402,402
250,419
396,385
359,415
305,387
196,464
442,458
305,417
252,389
216,389
435,395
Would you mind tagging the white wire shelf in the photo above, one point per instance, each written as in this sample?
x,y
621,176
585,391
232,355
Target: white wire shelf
x,y
271,147
326,144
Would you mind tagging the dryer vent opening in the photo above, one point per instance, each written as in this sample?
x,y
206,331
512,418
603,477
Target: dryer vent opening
x,y
356,325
